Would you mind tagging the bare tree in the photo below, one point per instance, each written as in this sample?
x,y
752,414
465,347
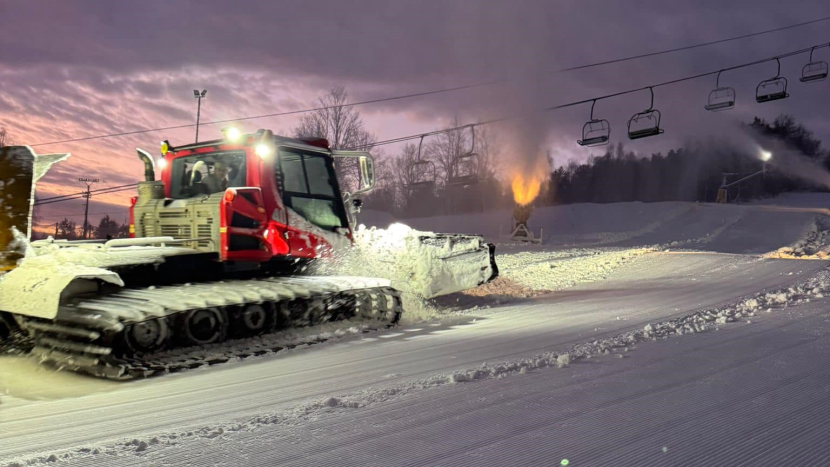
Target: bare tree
x,y
489,152
339,123
342,126
5,139
404,165
386,195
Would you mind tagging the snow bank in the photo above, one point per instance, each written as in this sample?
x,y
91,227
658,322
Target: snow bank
x,y
814,243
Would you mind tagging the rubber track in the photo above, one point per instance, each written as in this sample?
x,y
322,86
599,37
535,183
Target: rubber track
x,y
84,337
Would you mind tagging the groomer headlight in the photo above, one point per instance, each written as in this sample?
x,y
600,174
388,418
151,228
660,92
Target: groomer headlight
x,y
232,134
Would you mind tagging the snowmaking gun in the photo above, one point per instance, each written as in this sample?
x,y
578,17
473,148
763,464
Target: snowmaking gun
x,y
222,245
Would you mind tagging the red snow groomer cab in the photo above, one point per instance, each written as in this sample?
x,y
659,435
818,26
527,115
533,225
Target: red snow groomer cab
x,y
249,198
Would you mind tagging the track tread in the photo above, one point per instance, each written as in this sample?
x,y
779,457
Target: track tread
x,y
323,299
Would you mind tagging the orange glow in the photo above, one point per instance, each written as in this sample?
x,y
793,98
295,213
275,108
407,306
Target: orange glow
x,y
526,186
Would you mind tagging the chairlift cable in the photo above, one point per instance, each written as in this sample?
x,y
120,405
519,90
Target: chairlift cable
x,y
704,44
592,99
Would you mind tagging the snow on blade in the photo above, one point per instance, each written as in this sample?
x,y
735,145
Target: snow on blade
x,y
424,264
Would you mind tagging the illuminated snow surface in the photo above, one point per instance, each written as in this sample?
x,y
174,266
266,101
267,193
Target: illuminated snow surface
x,y
652,334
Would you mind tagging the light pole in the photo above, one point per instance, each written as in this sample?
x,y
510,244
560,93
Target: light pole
x,y
198,95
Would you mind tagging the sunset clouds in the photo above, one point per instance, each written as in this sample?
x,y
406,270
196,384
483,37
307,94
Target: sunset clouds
x,y
72,69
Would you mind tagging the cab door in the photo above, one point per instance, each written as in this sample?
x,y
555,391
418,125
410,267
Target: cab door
x,y
316,215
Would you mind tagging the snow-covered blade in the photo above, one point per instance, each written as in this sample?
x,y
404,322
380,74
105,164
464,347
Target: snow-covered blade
x,y
20,168
426,264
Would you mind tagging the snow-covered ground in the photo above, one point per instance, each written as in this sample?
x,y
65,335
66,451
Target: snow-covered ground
x,y
638,334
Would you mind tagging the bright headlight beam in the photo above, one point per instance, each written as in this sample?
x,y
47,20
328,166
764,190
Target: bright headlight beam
x,y
262,150
233,134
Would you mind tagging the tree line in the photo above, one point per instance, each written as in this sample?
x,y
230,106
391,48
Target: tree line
x,y
693,172
107,228
461,170
420,179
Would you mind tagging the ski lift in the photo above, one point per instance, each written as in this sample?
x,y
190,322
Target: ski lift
x,y
466,166
595,132
423,171
645,123
772,89
721,98
813,71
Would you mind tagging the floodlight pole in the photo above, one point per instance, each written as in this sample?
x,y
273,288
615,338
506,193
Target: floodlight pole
x,y
89,182
724,185
198,95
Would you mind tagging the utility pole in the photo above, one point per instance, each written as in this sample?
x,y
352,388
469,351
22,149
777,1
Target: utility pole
x,y
87,195
198,95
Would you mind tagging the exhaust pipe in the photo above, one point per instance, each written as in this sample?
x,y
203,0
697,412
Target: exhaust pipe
x,y
149,189
149,173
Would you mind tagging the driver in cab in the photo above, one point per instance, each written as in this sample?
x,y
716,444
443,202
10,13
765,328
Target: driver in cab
x,y
218,180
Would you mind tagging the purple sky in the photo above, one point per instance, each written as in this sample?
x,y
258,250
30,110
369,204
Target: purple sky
x,y
77,68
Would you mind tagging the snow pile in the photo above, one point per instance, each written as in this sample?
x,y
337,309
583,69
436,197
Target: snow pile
x,y
556,270
814,243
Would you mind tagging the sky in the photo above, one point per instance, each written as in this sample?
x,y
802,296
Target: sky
x,y
73,69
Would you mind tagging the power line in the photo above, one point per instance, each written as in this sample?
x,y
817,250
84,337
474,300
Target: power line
x,y
105,191
83,192
704,44
439,91
55,216
278,114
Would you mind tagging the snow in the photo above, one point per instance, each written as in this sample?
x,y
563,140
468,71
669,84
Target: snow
x,y
35,285
421,264
556,270
667,336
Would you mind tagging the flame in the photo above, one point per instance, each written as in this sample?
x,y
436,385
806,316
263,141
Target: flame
x,y
526,186
525,190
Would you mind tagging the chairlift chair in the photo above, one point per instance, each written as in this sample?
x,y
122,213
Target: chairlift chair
x,y
595,132
466,166
465,174
721,98
645,123
814,71
423,171
772,89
